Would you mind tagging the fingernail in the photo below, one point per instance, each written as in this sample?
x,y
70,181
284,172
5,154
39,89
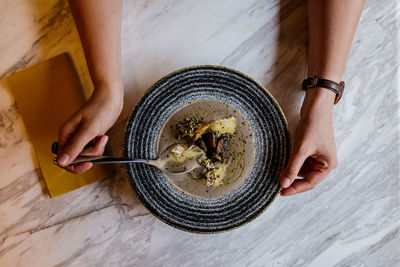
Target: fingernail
x,y
286,183
62,160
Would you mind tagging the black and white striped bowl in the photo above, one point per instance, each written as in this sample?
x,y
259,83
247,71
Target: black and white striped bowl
x,y
271,139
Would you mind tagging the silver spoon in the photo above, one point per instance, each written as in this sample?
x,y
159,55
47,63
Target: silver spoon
x,y
162,162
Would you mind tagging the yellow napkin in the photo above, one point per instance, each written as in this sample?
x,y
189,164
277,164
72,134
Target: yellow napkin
x,y
46,95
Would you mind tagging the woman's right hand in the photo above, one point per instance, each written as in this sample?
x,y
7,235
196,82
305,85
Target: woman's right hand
x,y
83,133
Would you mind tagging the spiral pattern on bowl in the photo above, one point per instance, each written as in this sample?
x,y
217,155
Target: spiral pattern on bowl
x,y
271,138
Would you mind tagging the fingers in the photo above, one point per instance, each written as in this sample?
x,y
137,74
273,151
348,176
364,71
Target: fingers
x,y
97,149
74,147
77,144
78,169
305,169
68,129
292,170
302,185
73,138
314,171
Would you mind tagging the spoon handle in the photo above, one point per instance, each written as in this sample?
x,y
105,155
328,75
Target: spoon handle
x,y
96,159
103,160
106,160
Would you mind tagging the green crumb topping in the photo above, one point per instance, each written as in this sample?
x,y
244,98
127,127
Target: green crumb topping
x,y
187,128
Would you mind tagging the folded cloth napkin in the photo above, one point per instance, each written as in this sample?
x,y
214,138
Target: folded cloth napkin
x,y
46,95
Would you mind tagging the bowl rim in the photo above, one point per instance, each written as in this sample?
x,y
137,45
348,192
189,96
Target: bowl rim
x,y
133,112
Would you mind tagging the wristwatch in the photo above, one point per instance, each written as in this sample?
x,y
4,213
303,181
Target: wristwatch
x,y
315,81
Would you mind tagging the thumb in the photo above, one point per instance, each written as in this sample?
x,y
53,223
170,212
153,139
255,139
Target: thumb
x,y
74,146
292,170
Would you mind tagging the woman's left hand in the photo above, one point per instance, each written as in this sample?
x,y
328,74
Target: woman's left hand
x,y
314,152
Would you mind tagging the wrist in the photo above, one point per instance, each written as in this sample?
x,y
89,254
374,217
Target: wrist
x,y
114,89
113,94
318,102
328,75
109,86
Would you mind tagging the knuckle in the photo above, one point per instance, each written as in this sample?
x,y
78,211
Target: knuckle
x,y
302,150
63,129
73,148
90,131
291,172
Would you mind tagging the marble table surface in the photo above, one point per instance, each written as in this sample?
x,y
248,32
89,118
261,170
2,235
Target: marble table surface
x,y
351,219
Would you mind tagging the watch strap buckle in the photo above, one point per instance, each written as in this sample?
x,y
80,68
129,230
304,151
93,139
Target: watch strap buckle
x,y
315,81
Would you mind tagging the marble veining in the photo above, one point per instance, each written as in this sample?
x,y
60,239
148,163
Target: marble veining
x,y
351,219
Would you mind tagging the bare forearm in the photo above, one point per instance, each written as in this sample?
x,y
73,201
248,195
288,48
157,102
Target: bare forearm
x,y
332,25
99,26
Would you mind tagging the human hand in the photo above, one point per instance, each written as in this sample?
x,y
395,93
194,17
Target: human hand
x,y
83,132
314,152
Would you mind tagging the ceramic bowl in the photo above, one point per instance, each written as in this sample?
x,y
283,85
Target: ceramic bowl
x,y
219,92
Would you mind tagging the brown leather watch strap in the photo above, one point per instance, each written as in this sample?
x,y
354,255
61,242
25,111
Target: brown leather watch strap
x,y
315,81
